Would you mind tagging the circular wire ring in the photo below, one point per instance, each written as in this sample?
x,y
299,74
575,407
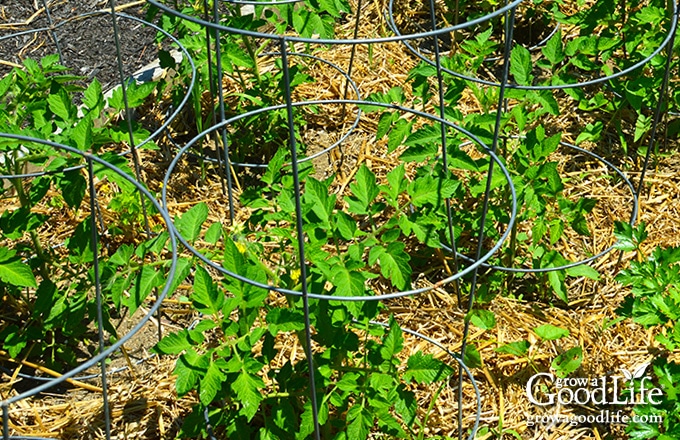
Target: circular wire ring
x,y
400,294
152,310
626,71
633,218
170,118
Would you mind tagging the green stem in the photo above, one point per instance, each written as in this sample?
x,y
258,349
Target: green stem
x,y
18,185
423,424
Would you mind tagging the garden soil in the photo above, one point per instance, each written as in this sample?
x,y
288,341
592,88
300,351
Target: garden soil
x,y
144,403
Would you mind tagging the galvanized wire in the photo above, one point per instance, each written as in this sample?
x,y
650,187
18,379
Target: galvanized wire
x,y
465,267
105,352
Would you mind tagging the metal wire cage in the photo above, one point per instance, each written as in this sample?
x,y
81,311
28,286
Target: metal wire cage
x,y
228,146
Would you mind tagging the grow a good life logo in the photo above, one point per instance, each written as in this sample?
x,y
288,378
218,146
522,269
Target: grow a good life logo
x,y
625,390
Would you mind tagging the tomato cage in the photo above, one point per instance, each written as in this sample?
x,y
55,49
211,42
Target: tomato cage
x,y
282,205
76,335
464,205
352,184
87,257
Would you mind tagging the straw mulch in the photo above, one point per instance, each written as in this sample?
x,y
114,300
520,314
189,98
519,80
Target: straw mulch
x,y
144,402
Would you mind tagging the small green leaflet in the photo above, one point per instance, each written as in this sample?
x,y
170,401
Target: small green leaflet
x,y
187,374
556,281
482,319
330,7
430,190
189,224
207,299
520,65
82,133
568,361
517,348
316,193
583,271
307,420
73,186
349,282
308,24
60,104
419,153
549,332
247,389
553,50
346,225
214,233
145,281
472,357
174,343
13,271
393,342
425,369
400,129
211,384
359,422
642,126
397,185
393,263
364,191
429,134
93,95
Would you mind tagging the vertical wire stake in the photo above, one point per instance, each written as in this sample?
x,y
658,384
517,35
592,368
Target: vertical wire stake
x,y
128,114
5,421
300,235
98,293
351,61
657,113
509,26
445,159
220,99
213,93
53,33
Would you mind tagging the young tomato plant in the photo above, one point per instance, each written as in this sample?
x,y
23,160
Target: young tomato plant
x,y
654,303
50,284
233,357
250,83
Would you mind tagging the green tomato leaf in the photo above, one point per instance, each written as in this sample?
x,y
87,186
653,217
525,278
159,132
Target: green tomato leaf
x,y
553,49
349,282
393,342
207,299
472,356
174,343
583,271
60,104
568,362
393,263
517,348
247,389
425,369
146,280
556,281
520,65
187,373
359,422
92,97
483,319
14,272
549,332
364,191
73,186
316,196
211,384
189,224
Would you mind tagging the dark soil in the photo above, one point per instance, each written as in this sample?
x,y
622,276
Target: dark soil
x,y
86,43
